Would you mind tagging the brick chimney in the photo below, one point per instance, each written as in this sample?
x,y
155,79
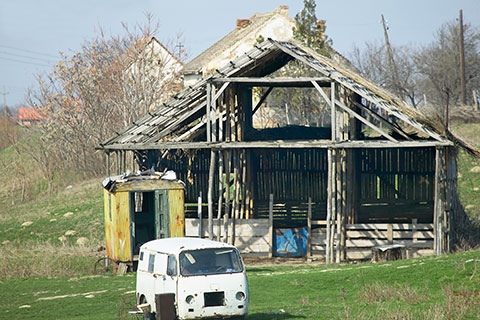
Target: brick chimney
x,y
282,10
243,23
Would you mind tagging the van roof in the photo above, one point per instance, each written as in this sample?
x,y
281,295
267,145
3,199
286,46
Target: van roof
x,y
174,245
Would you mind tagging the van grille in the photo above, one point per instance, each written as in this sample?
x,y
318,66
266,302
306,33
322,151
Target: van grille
x,y
214,299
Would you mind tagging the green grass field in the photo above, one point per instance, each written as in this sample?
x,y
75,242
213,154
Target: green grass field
x,y
46,272
446,287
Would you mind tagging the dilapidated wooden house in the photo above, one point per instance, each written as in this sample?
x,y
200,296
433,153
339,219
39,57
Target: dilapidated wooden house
x,y
379,173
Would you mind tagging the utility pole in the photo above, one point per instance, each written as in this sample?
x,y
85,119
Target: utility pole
x,y
462,61
393,68
4,93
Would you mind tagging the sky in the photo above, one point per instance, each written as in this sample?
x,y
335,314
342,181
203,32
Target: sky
x,y
33,32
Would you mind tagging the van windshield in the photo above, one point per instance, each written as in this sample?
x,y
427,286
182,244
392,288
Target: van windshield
x,y
210,261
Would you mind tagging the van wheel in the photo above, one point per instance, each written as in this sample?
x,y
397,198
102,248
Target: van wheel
x,y
147,315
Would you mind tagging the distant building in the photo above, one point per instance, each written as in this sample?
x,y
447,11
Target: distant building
x,y
149,60
248,32
28,116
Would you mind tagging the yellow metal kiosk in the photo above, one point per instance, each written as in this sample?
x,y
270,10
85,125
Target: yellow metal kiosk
x,y
140,208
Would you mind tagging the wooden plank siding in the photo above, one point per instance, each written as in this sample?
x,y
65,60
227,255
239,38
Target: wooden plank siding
x,y
251,236
396,185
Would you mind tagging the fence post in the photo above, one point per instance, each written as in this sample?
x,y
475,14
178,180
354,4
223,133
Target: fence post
x,y
270,225
199,211
309,229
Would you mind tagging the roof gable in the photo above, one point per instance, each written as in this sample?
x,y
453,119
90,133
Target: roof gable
x,y
179,117
276,25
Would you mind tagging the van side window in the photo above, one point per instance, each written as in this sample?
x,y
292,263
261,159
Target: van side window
x,y
141,256
151,262
172,266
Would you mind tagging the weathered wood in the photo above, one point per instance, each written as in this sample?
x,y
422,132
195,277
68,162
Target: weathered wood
x,y
276,82
211,179
439,201
384,226
199,208
309,228
333,116
329,205
270,225
365,122
383,121
220,192
338,207
389,233
376,234
359,89
245,227
262,99
282,144
208,108
213,115
366,253
368,243
243,166
228,160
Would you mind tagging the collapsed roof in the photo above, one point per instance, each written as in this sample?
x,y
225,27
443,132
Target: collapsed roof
x,y
181,116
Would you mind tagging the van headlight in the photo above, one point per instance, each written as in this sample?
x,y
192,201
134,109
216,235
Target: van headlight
x,y
240,296
190,299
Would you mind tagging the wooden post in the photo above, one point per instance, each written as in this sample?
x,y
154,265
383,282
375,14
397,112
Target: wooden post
x,y
227,160
414,230
220,194
211,176
270,224
439,201
329,205
344,205
199,212
389,233
332,112
334,204
208,109
213,114
338,208
309,229
107,161
243,166
452,200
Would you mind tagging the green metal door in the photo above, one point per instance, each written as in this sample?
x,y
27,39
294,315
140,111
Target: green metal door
x,y
162,214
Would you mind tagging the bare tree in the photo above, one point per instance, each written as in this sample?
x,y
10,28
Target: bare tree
x,y
373,62
439,62
100,90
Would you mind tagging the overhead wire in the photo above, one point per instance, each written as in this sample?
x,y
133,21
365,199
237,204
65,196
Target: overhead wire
x,y
30,51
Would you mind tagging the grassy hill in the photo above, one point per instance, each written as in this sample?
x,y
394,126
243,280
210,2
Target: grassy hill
x,y
446,287
40,237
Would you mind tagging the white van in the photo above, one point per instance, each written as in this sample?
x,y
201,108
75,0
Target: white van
x,y
202,278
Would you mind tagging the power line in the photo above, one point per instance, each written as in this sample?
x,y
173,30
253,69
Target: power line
x,y
22,56
26,62
30,51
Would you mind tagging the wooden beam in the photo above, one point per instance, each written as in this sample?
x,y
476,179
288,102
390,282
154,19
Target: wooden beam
x,y
366,122
350,111
282,144
276,82
208,109
262,99
383,121
211,176
333,116
358,88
